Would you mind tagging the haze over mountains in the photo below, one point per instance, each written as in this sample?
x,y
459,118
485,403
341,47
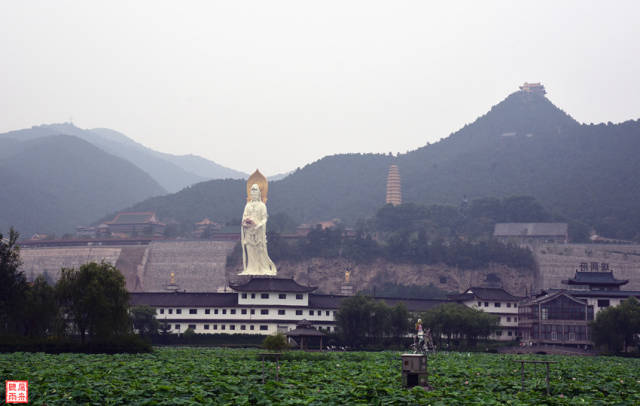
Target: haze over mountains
x,y
523,146
60,176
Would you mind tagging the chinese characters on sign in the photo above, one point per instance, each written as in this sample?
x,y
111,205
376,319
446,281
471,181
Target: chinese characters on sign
x,y
17,392
594,267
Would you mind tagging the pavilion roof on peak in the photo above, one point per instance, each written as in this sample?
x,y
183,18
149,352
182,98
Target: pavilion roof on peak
x,y
595,278
272,284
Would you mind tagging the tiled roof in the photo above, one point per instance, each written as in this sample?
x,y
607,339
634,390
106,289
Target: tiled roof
x,y
530,229
183,299
485,294
271,284
134,218
595,278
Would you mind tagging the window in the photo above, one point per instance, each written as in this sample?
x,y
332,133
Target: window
x,y
253,311
243,311
206,327
515,305
327,313
178,311
215,326
264,296
215,311
498,333
264,311
497,304
508,319
233,311
224,311
508,304
264,327
282,296
222,327
603,302
251,327
243,327
298,296
193,311
510,333
486,304
207,311
232,327
244,295
310,312
545,313
253,296
281,312
515,319
177,327
298,312
170,311
192,326
161,311
479,304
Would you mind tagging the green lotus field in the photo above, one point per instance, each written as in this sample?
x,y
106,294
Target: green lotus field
x,y
190,376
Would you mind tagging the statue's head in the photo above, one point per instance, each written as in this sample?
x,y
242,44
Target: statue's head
x,y
255,192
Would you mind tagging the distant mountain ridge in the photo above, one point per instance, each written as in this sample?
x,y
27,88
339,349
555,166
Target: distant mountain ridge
x,y
172,172
51,184
524,145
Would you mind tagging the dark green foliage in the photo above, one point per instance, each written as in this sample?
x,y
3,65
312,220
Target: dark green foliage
x,y
95,299
276,342
364,321
618,327
13,285
144,320
41,316
123,344
454,320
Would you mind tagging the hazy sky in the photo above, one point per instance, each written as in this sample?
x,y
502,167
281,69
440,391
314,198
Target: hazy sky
x,y
277,85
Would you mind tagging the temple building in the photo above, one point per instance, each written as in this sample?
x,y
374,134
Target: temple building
x,y
532,233
135,224
262,305
536,88
498,302
562,316
394,191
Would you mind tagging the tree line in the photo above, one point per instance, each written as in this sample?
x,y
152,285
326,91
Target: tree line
x,y
364,322
90,302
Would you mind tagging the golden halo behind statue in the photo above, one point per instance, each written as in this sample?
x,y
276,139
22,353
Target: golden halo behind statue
x,y
260,180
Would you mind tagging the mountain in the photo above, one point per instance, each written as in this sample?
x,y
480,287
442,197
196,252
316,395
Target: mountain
x,y
172,172
524,145
52,184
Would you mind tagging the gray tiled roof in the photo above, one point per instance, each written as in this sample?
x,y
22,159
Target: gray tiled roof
x,y
271,284
595,278
530,229
485,294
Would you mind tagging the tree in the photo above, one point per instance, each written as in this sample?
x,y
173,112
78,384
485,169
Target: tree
x,y
144,320
455,320
95,299
13,285
276,342
617,327
40,312
362,320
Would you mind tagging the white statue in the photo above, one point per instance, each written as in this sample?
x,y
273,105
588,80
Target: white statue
x,y
255,258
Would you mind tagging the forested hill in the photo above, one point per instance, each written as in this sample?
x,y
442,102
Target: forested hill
x,y
523,146
53,184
